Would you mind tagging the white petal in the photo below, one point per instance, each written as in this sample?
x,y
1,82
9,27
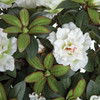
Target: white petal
x,y
13,47
7,63
70,26
87,42
52,37
76,65
94,97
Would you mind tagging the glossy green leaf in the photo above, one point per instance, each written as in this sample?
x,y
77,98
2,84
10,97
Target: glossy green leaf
x,y
11,19
48,61
12,30
52,82
59,70
35,76
2,93
92,89
70,94
23,41
38,29
32,48
79,89
94,15
41,20
39,85
35,63
61,98
24,16
80,1
18,91
68,4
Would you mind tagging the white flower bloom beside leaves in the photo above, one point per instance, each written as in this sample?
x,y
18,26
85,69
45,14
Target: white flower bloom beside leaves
x,y
70,46
94,97
34,96
7,48
25,3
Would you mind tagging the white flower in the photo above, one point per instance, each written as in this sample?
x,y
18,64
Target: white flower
x,y
34,96
94,97
7,49
70,46
51,5
41,47
25,3
2,5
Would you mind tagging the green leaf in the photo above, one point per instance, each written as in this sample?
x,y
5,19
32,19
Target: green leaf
x,y
2,93
61,98
65,18
12,30
23,41
38,29
18,91
80,1
35,63
92,89
41,20
39,85
35,76
10,19
59,70
32,48
82,19
24,16
68,4
79,89
52,83
94,15
48,61
70,94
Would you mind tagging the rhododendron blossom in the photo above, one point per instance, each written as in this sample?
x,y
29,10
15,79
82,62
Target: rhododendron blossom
x,y
70,46
7,48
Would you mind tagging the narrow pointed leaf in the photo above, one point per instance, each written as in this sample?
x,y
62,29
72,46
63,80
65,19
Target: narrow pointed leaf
x,y
48,61
38,29
24,16
12,30
70,94
79,89
2,93
23,41
35,76
35,63
61,98
32,48
59,70
13,20
39,85
94,15
41,20
18,91
52,82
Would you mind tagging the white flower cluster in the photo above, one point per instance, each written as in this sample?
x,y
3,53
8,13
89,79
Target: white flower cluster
x,y
70,46
34,96
2,5
7,49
